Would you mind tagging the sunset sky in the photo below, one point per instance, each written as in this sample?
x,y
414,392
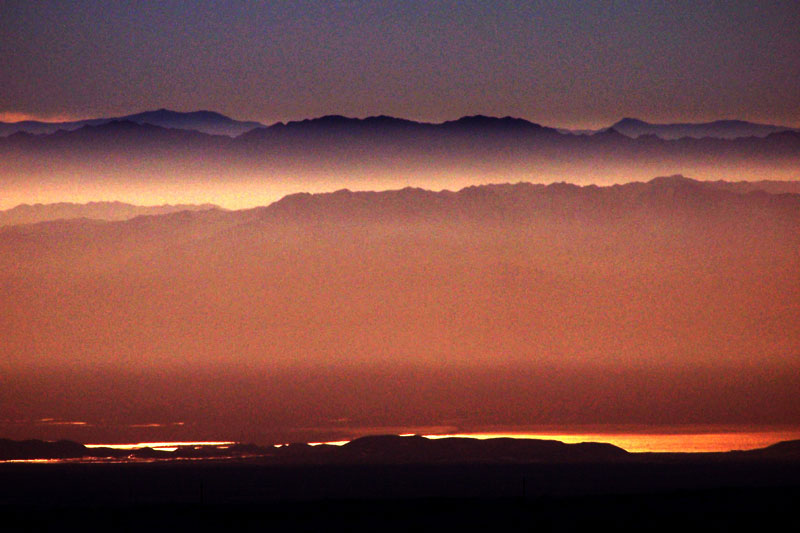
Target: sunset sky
x,y
628,301
571,63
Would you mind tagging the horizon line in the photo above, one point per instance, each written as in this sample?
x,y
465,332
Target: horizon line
x,y
17,117
212,205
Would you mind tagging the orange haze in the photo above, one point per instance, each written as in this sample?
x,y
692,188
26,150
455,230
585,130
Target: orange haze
x,y
654,304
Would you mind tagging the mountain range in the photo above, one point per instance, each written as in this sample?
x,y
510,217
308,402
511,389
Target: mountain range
x,y
308,318
208,122
28,214
719,129
129,161
110,211
217,124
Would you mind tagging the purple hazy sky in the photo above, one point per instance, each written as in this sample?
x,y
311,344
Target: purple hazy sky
x,y
568,63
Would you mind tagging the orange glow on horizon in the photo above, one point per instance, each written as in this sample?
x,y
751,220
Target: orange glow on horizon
x,y
654,442
18,116
160,445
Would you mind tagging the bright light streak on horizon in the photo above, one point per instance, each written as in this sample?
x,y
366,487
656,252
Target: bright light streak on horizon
x,y
653,442
159,445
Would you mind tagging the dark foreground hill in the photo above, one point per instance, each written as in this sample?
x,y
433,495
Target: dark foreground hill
x,y
203,121
366,450
398,492
393,450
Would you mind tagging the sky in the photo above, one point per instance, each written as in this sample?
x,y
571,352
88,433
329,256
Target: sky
x,y
569,63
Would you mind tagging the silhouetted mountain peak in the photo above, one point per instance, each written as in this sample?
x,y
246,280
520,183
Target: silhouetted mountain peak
x,y
786,448
674,180
720,129
385,442
382,126
489,123
628,121
168,114
40,449
205,121
334,125
116,129
33,213
331,119
675,193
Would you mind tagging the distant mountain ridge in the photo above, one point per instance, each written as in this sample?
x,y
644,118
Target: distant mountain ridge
x,y
507,201
214,123
28,214
412,202
388,294
391,449
718,129
209,122
336,152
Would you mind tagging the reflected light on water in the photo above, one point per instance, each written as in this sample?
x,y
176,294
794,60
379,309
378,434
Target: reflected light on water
x,y
166,446
43,461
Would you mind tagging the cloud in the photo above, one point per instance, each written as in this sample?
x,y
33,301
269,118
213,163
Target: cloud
x,y
157,425
56,422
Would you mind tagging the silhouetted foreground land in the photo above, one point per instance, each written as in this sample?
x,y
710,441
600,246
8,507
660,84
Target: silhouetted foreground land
x,y
732,491
390,449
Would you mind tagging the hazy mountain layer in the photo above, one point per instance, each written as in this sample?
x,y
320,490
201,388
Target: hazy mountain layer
x,y
217,124
668,302
719,129
27,214
146,164
203,121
